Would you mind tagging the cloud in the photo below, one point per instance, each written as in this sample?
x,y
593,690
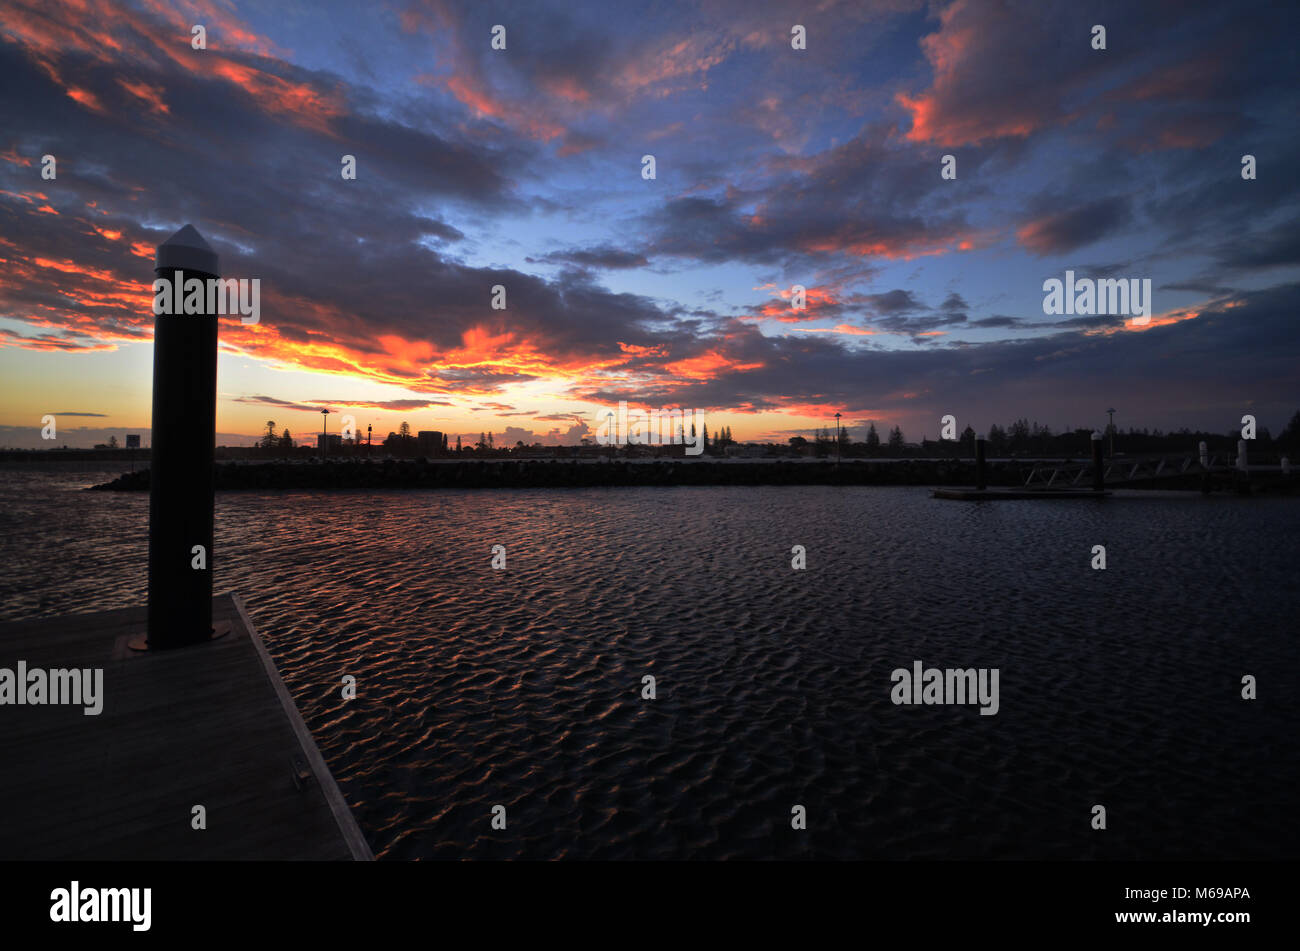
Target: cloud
x,y
604,256
279,403
775,168
864,199
1278,247
897,301
1208,358
1011,69
1073,228
388,404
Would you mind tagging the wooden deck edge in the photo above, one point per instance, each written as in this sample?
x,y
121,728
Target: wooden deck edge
x,y
346,822
1015,495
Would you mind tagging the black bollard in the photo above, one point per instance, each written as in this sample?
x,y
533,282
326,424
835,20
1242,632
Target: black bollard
x,y
981,478
184,437
1098,473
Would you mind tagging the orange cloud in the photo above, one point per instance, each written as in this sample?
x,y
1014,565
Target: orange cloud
x,y
566,88
410,352
50,342
707,366
964,44
848,329
868,247
816,300
1157,320
150,95
470,92
635,350
85,98
102,31
68,266
276,95
682,60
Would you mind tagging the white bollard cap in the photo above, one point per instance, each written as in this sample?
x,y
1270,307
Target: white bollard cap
x,y
187,250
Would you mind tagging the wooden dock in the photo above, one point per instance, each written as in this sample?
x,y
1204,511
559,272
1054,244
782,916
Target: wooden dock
x,y
210,725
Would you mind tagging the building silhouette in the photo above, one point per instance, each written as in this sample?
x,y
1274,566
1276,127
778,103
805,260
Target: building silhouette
x,y
429,443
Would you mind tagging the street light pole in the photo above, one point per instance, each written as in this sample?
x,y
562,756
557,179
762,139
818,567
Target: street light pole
x,y
1111,413
837,437
324,433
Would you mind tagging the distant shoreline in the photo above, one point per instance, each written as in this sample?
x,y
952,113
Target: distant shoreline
x,y
539,474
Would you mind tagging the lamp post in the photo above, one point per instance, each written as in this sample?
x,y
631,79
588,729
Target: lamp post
x,y
1098,469
837,437
1111,413
324,433
610,431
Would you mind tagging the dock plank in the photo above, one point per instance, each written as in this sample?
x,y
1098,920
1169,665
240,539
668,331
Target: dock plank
x,y
209,725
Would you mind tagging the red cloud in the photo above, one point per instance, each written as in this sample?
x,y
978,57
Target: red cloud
x,y
156,41
964,104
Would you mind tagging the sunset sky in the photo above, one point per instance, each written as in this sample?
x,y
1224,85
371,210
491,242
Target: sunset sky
x,y
523,167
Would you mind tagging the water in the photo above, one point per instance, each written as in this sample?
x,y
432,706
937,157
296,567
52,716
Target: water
x,y
523,687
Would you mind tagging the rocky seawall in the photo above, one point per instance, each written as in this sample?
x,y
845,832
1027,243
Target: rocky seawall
x,y
531,474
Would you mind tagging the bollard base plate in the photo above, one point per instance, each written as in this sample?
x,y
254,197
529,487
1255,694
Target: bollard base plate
x,y
219,630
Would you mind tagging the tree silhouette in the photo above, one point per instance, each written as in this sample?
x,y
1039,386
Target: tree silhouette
x,y
1289,437
1019,433
873,440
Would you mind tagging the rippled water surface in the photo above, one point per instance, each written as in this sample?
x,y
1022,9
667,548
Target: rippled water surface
x,y
523,687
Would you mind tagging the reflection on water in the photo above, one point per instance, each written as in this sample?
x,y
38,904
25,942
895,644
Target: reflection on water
x,y
523,687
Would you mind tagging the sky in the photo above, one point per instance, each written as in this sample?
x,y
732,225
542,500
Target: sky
x,y
523,167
